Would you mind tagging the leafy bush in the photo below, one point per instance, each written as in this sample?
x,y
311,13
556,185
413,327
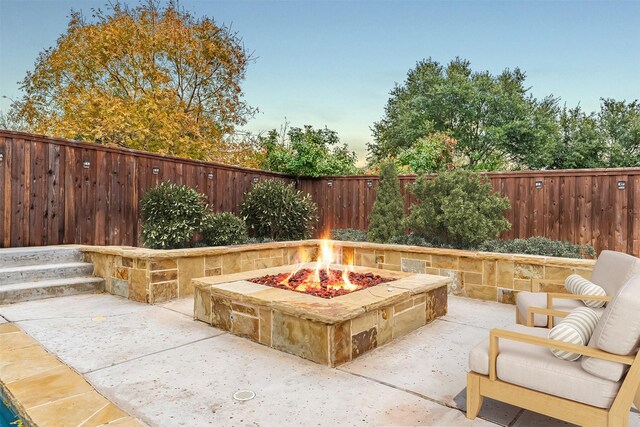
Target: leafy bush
x,y
171,215
457,208
349,234
278,211
388,208
224,229
539,246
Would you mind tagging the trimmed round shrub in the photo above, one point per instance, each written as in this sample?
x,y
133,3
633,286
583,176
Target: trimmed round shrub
x,y
457,208
224,228
278,211
171,215
539,246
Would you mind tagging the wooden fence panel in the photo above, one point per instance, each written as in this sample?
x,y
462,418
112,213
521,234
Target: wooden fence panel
x,y
582,206
633,240
48,197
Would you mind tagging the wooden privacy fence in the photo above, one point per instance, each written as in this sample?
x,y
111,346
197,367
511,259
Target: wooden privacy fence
x,y
56,191
598,207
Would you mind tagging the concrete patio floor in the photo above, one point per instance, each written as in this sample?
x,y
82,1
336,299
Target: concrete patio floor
x,y
164,368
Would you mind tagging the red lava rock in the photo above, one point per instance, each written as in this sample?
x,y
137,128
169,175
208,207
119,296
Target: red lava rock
x,y
331,284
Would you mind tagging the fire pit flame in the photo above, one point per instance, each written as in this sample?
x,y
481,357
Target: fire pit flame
x,y
325,259
323,281
346,282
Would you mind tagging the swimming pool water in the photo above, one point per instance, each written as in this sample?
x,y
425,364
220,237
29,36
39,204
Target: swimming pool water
x,y
7,417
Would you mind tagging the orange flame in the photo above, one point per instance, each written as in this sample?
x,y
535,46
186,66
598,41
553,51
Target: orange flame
x,y
326,257
348,268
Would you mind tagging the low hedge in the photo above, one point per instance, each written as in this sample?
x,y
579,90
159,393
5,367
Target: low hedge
x,y
539,246
531,246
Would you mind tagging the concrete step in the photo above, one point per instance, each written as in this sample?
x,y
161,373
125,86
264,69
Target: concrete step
x,y
50,288
35,273
37,255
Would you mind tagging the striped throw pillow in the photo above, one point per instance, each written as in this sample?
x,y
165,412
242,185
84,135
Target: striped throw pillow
x,y
576,328
578,285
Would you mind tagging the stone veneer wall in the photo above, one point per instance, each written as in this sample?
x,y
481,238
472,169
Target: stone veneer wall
x,y
480,275
151,276
330,332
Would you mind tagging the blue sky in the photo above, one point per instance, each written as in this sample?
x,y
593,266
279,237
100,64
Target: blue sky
x,y
333,63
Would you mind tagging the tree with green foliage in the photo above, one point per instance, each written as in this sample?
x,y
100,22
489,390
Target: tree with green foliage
x,y
581,144
607,139
307,152
494,119
620,123
388,208
457,208
432,153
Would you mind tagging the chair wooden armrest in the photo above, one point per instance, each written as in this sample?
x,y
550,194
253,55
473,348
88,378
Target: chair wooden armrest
x,y
549,312
496,334
556,295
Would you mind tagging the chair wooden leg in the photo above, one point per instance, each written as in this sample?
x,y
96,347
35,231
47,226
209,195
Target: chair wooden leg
x,y
636,400
474,399
618,420
518,317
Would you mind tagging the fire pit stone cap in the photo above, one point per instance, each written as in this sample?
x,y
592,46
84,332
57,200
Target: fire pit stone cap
x,y
419,283
236,287
328,311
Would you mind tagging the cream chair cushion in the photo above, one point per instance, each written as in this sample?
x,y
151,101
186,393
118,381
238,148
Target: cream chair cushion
x,y
618,331
612,371
613,270
534,367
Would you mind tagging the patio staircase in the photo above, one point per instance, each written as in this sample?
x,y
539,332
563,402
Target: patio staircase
x,y
44,272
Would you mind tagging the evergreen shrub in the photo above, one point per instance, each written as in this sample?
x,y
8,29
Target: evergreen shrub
x,y
224,228
457,208
278,211
171,215
388,208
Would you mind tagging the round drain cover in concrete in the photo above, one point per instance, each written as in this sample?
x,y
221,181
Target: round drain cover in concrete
x,y
243,395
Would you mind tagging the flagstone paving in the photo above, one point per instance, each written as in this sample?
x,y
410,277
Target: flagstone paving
x,y
163,368
47,391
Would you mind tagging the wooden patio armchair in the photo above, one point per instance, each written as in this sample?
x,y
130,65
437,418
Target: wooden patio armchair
x,y
516,366
551,314
611,272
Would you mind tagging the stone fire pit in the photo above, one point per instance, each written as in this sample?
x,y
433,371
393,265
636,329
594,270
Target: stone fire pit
x,y
327,331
